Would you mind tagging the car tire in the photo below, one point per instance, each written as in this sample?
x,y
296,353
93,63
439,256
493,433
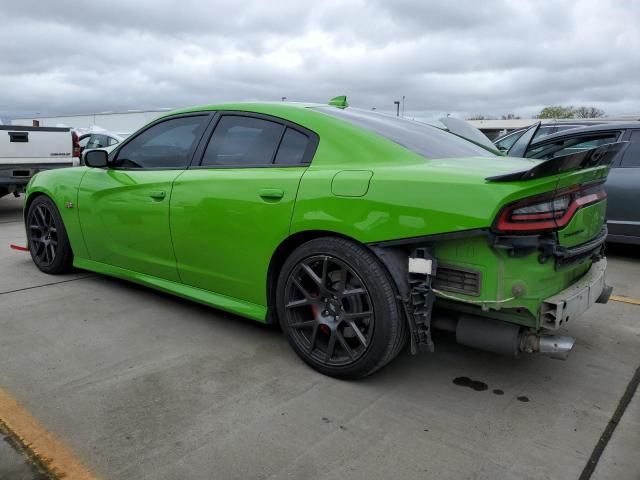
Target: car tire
x,y
47,237
338,308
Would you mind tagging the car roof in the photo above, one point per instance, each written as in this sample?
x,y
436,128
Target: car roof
x,y
248,106
603,127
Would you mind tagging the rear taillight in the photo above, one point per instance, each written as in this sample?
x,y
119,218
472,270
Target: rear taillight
x,y
547,212
76,144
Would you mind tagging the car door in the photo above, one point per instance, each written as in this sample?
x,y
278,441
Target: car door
x,y
623,190
124,209
230,212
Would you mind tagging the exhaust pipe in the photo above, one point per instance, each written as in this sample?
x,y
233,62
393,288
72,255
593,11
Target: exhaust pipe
x,y
501,337
553,346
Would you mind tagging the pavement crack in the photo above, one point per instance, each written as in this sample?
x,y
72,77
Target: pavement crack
x,y
47,284
603,441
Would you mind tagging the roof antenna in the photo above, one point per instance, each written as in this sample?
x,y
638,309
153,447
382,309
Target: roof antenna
x,y
339,101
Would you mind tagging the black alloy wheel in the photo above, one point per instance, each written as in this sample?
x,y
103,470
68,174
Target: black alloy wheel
x,y
329,310
44,235
338,308
47,237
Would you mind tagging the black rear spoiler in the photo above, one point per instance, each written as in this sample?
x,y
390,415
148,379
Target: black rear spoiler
x,y
602,155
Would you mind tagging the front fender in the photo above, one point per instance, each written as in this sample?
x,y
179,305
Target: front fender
x,y
61,186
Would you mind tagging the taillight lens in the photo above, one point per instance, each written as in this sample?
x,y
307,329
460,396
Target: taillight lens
x,y
549,211
76,144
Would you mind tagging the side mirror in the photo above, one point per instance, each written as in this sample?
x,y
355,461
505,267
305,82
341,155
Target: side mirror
x,y
96,158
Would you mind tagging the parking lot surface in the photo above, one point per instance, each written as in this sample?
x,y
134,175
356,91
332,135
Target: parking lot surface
x,y
143,385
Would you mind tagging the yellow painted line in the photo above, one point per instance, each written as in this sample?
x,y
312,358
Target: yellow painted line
x,y
620,298
50,450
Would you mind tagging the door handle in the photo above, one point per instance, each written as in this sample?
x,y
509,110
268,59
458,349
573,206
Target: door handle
x,y
272,193
158,194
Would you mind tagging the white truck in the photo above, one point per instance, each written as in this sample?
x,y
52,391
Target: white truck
x,y
25,151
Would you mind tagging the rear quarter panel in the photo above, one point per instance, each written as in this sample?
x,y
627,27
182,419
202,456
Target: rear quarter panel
x,y
407,197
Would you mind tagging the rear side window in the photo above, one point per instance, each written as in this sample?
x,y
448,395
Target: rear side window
x,y
292,148
164,145
98,141
242,141
544,131
420,138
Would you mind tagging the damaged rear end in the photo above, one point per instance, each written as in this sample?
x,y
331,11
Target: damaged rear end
x,y
509,287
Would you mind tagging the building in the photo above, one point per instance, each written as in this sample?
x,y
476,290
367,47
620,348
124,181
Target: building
x,y
125,122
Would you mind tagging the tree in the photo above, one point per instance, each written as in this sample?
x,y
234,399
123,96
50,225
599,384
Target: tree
x,y
510,116
556,111
479,116
588,112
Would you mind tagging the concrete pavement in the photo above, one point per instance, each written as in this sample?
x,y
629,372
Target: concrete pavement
x,y
143,385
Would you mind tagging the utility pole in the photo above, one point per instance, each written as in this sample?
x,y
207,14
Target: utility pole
x,y
397,104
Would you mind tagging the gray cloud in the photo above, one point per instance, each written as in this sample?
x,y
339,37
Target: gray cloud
x,y
456,57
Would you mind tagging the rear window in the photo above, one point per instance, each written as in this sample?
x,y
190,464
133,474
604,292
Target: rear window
x,y
425,140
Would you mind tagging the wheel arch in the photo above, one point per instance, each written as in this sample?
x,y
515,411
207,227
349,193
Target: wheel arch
x,y
30,198
281,254
391,260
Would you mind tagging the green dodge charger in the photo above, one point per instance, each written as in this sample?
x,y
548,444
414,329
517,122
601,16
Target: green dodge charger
x,y
358,232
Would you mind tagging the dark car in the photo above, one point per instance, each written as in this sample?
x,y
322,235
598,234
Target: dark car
x,y
506,141
623,184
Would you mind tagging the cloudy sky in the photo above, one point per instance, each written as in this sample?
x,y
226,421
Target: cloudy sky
x,y
458,57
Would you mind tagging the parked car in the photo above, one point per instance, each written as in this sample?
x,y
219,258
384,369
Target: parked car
x,y
25,151
357,231
505,142
623,184
105,140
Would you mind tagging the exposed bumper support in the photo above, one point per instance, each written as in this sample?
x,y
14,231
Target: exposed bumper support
x,y
576,299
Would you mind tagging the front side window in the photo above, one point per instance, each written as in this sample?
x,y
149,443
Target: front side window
x,y
425,140
167,144
571,145
239,141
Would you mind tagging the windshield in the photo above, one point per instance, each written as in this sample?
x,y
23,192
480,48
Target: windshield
x,y
423,139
